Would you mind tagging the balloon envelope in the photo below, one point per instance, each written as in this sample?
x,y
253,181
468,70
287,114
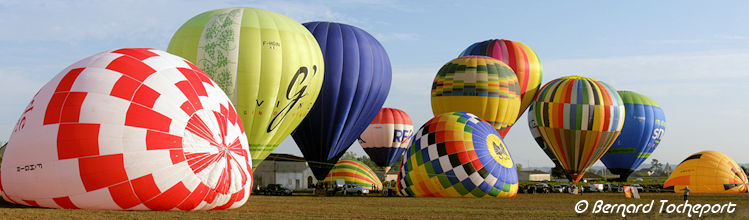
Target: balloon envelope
x,y
644,125
457,154
269,65
480,85
387,137
520,58
353,172
133,128
357,81
708,172
578,118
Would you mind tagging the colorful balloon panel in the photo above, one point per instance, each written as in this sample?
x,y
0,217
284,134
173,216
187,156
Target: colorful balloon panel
x,y
133,128
533,125
353,172
578,118
483,86
457,154
357,81
708,172
520,58
269,65
644,125
387,137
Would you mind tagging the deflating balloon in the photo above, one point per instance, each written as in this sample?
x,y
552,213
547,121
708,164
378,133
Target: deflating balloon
x,y
644,125
457,154
387,137
483,86
132,128
353,172
520,58
578,118
708,172
269,65
357,81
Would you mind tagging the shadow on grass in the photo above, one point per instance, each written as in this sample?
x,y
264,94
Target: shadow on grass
x,y
5,204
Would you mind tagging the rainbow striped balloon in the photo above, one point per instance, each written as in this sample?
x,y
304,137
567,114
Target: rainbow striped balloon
x,y
520,58
484,86
354,172
456,154
578,118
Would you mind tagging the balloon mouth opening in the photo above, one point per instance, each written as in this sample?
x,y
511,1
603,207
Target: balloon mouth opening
x,y
213,151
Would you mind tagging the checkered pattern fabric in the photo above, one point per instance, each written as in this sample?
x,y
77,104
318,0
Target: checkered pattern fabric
x,y
132,128
452,156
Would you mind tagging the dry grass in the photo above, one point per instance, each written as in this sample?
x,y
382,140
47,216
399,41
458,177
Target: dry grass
x,y
525,206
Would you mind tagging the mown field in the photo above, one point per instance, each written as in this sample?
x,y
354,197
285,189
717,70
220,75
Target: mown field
x,y
524,206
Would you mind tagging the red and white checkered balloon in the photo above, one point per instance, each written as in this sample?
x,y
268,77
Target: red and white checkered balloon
x,y
129,129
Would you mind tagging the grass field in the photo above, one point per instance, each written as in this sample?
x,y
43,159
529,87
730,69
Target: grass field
x,y
524,206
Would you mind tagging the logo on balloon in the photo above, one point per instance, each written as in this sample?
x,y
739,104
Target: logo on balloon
x,y
401,136
499,150
293,95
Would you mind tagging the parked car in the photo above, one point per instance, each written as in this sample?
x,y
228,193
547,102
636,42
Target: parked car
x,y
354,189
610,187
275,189
543,188
559,188
639,188
590,188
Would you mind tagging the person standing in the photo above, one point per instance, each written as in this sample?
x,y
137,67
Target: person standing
x,y
686,192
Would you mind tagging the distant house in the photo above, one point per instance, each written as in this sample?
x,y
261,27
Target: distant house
x,y
289,170
533,175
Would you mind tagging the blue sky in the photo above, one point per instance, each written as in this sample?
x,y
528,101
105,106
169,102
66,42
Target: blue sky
x,y
692,57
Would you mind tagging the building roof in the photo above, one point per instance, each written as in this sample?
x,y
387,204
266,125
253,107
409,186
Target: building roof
x,y
285,157
533,172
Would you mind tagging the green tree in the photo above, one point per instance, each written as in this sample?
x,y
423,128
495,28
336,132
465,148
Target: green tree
x,y
519,166
558,172
655,166
348,156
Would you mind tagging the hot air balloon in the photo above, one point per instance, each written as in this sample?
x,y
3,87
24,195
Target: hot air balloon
x,y
644,125
269,65
357,81
520,58
387,137
480,85
353,172
708,172
533,125
457,154
578,118
133,128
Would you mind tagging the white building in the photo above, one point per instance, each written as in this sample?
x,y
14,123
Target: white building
x,y
534,175
285,169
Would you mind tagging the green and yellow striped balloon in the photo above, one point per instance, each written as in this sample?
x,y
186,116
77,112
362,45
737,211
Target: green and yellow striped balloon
x,y
481,85
579,118
269,65
353,172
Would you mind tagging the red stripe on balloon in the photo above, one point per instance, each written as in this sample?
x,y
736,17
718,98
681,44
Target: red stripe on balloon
x,y
156,121
123,195
137,53
169,199
132,67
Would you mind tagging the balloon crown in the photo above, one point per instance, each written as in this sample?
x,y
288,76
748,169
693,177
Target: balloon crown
x,y
580,78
